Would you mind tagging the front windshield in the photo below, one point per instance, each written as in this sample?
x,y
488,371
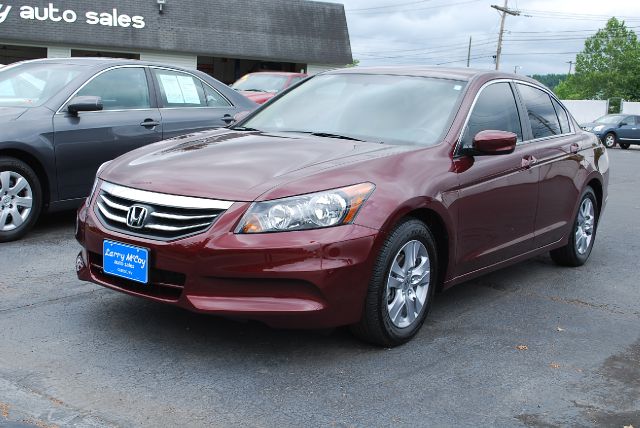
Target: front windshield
x,y
615,118
369,107
31,85
260,83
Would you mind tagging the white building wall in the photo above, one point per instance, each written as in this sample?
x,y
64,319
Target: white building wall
x,y
587,110
629,107
58,52
179,60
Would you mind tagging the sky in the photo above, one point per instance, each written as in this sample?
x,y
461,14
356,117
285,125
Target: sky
x,y
542,39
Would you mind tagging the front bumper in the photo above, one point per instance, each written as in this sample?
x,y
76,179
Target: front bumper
x,y
306,279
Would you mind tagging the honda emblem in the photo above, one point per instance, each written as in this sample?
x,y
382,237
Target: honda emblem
x,y
136,217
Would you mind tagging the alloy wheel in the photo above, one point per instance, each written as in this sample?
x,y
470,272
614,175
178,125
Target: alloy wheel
x,y
585,226
16,200
408,284
609,141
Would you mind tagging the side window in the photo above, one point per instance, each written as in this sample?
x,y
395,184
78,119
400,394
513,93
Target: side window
x,y
214,98
542,115
563,116
120,89
495,109
179,89
629,120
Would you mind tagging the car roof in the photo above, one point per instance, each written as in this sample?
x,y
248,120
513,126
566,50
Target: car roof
x,y
279,73
455,73
100,62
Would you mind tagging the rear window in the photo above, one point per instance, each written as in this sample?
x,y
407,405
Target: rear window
x,y
562,116
542,114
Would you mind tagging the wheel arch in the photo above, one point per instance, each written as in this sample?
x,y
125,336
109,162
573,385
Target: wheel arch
x,y
596,185
437,218
37,166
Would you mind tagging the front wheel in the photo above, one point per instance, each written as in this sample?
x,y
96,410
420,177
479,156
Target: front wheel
x,y
20,199
624,146
609,140
583,234
402,286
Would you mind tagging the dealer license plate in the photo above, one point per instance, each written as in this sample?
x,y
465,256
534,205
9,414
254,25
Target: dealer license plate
x,y
125,261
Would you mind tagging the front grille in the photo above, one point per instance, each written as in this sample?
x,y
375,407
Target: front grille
x,y
163,284
167,217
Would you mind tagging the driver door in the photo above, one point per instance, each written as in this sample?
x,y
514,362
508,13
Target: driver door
x,y
498,194
84,141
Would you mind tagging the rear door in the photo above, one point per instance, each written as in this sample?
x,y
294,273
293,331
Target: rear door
x,y
559,154
187,104
498,194
130,119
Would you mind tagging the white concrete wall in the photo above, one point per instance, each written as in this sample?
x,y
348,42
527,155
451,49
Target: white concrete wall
x,y
587,110
58,52
179,60
629,107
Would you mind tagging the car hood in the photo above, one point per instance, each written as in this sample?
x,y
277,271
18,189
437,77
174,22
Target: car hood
x,y
8,114
236,166
258,97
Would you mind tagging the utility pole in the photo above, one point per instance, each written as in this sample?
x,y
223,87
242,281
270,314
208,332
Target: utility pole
x,y
469,53
503,15
570,64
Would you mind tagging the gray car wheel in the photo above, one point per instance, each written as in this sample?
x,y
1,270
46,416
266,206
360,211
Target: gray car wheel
x,y
402,286
20,199
609,140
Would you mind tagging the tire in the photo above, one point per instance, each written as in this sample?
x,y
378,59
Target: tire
x,y
610,140
624,146
577,250
20,199
410,300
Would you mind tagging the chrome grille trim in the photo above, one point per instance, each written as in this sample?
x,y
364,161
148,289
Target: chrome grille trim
x,y
169,217
146,197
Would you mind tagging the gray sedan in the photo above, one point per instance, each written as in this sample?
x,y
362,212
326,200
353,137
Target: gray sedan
x,y
61,119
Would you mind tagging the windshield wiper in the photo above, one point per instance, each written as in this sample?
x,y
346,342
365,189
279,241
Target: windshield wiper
x,y
244,128
330,135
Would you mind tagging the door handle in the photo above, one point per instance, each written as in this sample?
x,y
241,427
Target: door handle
x,y
574,148
227,118
150,123
528,161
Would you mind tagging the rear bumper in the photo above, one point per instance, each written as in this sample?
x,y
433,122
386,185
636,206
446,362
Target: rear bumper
x,y
305,279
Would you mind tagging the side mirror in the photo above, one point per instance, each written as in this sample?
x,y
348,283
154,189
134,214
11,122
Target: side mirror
x,y
87,103
492,142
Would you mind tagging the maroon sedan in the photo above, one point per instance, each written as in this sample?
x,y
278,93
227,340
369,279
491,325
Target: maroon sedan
x,y
261,87
349,200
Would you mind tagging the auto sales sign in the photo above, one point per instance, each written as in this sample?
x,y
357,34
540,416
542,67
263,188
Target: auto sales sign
x,y
112,18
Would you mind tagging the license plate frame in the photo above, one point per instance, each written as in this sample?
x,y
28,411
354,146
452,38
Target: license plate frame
x,y
125,261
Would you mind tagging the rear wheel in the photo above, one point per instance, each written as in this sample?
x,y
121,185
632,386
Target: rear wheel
x,y
609,140
583,234
401,287
624,146
20,199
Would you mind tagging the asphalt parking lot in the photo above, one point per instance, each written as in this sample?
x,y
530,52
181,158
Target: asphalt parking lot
x,y
533,345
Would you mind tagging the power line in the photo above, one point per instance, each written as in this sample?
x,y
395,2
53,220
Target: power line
x,y
388,6
374,12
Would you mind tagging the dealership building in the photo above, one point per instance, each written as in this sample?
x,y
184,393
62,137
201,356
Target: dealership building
x,y
224,38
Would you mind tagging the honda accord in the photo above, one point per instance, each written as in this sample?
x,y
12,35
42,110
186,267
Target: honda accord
x,y
349,200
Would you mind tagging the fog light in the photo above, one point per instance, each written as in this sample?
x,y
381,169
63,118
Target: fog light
x,y
79,263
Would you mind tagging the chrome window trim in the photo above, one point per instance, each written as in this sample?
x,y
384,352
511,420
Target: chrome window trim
x,y
158,67
164,199
100,73
514,81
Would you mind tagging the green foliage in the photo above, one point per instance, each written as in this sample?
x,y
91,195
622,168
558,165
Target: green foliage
x,y
607,67
549,80
355,63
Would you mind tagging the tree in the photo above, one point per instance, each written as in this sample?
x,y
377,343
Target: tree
x,y
549,80
607,67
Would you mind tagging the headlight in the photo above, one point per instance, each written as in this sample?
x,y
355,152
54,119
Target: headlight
x,y
312,211
598,128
